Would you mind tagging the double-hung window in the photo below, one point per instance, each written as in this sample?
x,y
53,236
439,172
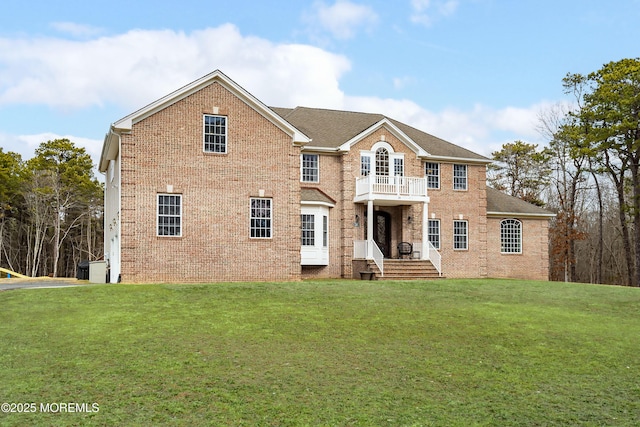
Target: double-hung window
x,y
169,215
215,134
309,168
510,236
434,232
308,230
365,165
459,177
460,235
398,166
432,172
261,214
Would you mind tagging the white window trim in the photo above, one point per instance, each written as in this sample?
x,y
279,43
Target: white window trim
x,y
270,236
179,196
466,177
226,134
439,232
437,176
371,154
466,248
302,167
502,245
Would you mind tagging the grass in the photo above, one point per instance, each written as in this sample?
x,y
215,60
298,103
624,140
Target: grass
x,y
325,353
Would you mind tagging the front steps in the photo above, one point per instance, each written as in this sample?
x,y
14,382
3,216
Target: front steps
x,y
405,269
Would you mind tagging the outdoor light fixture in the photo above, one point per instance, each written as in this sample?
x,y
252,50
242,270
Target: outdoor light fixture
x,y
357,222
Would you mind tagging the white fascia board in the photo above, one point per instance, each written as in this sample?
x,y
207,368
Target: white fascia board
x,y
448,159
126,123
420,152
311,148
109,149
520,215
317,203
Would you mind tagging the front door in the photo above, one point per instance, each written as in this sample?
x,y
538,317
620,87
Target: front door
x,y
382,232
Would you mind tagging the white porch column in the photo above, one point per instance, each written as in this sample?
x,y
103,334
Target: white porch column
x,y
370,229
425,231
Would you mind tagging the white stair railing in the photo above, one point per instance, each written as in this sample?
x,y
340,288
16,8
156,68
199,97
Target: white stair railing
x,y
432,255
361,251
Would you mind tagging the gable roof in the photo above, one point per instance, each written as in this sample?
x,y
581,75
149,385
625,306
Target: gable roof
x,y
501,204
109,149
330,129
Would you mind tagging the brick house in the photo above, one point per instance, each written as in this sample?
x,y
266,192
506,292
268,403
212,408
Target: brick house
x,y
208,184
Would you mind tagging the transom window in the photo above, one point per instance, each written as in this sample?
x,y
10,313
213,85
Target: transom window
x,y
308,230
215,134
432,172
310,169
460,235
261,218
170,215
434,232
510,236
459,177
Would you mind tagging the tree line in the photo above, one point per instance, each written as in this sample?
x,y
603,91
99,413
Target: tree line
x,y
588,174
51,210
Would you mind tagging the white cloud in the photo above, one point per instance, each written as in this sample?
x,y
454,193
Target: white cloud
x,y
481,130
402,82
344,18
425,12
76,30
137,67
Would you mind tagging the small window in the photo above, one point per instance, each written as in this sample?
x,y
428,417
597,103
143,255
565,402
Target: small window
x,y
510,236
398,167
460,235
308,230
459,177
215,134
310,169
170,215
432,172
325,231
261,218
434,232
365,165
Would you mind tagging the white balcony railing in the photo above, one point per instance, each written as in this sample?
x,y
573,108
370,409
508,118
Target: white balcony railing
x,y
391,186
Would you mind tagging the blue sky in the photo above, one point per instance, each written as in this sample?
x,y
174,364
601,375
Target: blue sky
x,y
475,72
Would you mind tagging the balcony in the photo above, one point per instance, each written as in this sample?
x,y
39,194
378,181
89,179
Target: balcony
x,y
391,189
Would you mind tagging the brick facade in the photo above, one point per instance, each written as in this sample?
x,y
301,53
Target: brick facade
x,y
166,151
160,151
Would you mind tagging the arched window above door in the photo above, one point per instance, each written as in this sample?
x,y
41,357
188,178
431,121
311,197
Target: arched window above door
x,y
382,162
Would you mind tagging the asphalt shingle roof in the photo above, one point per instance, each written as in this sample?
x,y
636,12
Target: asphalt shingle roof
x,y
332,128
499,202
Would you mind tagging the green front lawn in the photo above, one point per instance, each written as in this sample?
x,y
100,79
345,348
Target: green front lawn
x,y
334,353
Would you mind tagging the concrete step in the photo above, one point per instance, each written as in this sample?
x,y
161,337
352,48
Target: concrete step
x,y
405,270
